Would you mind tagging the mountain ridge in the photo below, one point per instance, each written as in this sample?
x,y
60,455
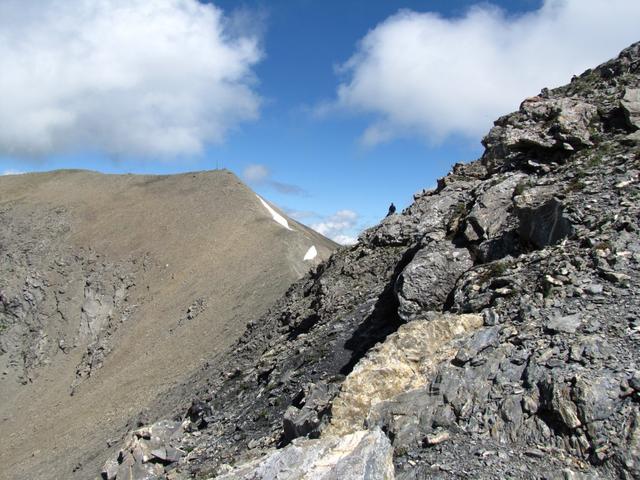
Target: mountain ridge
x,y
518,276
116,286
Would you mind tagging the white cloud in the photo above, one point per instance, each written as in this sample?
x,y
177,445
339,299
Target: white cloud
x,y
340,227
258,174
424,75
255,173
345,239
127,77
301,215
11,172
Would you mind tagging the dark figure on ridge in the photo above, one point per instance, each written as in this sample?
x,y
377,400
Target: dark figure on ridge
x,y
392,209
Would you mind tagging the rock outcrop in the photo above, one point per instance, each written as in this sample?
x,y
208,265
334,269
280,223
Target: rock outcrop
x,y
362,454
491,330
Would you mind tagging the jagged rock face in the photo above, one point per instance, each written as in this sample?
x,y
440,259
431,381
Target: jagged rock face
x,y
539,242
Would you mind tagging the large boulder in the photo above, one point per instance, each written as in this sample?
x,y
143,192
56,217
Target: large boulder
x,y
366,454
631,106
541,217
427,280
490,215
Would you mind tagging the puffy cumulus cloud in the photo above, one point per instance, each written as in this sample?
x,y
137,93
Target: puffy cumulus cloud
x,y
126,77
425,75
258,174
339,227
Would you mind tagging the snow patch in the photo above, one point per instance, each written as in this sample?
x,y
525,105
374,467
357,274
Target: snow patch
x,y
275,215
311,253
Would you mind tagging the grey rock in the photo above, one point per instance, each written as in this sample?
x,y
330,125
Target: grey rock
x,y
541,124
478,342
143,448
299,423
556,397
615,277
361,455
596,397
564,324
594,289
110,469
427,281
490,216
631,105
544,224
632,138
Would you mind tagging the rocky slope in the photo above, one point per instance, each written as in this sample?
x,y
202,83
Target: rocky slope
x,y
491,330
115,287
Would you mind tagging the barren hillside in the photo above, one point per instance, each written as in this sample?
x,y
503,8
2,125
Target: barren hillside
x,y
114,288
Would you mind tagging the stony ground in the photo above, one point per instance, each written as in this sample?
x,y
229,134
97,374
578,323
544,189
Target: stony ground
x,y
491,330
113,288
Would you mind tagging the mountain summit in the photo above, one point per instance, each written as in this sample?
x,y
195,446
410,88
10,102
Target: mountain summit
x,y
115,288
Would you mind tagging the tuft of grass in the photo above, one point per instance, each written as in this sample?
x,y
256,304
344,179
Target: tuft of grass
x,y
595,161
493,270
496,269
458,213
575,185
460,210
522,187
604,245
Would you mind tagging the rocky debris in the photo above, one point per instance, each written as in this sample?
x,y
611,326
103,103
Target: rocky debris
x,y
362,454
491,330
195,309
146,451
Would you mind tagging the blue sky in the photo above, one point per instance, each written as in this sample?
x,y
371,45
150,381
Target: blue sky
x,y
328,118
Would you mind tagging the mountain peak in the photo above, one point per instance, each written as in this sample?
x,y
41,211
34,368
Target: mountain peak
x,y
117,286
